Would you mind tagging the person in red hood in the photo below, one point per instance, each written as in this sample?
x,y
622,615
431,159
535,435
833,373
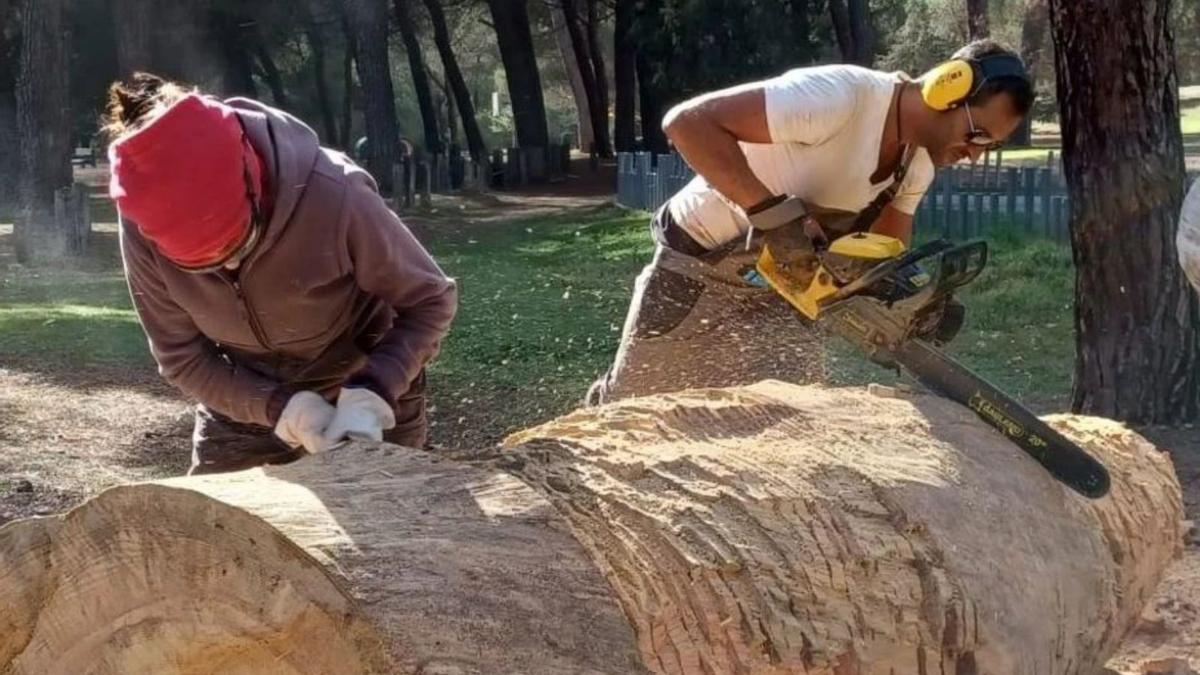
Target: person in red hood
x,y
274,285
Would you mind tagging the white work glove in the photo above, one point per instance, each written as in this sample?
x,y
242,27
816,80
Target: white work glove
x,y
361,415
304,420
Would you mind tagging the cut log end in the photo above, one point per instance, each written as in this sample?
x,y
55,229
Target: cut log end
x,y
157,579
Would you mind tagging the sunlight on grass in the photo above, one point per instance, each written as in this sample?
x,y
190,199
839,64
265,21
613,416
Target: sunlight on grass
x,y
53,312
542,302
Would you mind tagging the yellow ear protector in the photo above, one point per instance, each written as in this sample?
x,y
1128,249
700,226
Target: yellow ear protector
x,y
951,83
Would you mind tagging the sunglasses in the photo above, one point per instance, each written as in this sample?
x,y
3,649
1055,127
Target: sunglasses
x,y
247,246
979,137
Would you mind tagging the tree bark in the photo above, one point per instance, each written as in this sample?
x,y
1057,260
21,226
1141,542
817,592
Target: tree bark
x,y
801,27
456,81
316,44
1035,21
625,77
716,531
10,147
862,33
977,19
513,36
840,18
369,25
604,146
1135,317
653,96
587,71
566,50
270,72
43,128
653,107
416,65
348,59
233,33
133,22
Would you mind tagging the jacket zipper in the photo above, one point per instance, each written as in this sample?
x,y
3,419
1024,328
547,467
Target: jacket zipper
x,y
255,326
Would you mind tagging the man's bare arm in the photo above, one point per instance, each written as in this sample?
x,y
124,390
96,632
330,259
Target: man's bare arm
x,y
894,223
706,131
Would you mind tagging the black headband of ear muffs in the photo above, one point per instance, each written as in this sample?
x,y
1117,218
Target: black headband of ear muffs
x,y
995,66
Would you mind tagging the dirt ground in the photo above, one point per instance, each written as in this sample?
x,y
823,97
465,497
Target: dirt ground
x,y
65,434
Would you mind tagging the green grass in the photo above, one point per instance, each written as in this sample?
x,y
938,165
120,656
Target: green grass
x,y
1018,332
542,303
541,306
69,318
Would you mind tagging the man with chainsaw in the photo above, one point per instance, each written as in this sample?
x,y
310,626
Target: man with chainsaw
x,y
798,160
274,284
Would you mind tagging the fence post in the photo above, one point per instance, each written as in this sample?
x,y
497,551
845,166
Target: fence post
x,y
1066,217
663,178
970,214
645,160
621,179
534,166
947,200
1045,201
426,187
1030,176
1011,177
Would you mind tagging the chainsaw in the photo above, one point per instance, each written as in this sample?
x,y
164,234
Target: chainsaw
x,y
871,291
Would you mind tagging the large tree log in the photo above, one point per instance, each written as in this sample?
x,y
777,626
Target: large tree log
x,y
765,529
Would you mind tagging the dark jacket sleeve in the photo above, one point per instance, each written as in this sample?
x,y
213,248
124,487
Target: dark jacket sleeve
x,y
186,358
390,263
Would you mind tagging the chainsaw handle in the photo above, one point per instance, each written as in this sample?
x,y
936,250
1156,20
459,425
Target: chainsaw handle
x,y
960,265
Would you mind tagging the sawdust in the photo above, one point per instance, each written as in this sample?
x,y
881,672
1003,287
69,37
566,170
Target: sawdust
x,y
65,435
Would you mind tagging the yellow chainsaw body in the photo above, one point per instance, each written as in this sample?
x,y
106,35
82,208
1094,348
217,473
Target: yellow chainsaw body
x,y
847,257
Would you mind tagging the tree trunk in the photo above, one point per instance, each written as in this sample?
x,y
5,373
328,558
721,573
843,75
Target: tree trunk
x,y
43,128
456,81
587,71
716,531
10,152
233,33
133,23
840,18
451,117
652,103
861,33
801,28
369,25
1135,317
625,77
416,65
1035,20
653,107
604,144
521,70
316,44
10,147
566,51
977,19
270,72
348,60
